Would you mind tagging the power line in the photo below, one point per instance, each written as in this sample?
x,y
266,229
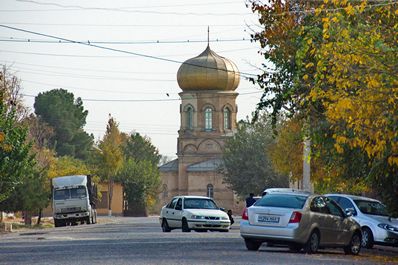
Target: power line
x,y
124,10
98,56
42,72
124,25
86,69
140,100
11,39
145,7
119,50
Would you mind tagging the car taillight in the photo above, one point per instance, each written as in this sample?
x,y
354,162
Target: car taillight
x,y
295,218
244,214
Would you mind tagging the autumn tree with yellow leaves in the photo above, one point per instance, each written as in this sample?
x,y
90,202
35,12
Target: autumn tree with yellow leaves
x,y
336,63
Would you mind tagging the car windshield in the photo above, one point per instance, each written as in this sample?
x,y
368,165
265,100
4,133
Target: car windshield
x,y
78,192
282,200
371,207
64,194
194,203
61,194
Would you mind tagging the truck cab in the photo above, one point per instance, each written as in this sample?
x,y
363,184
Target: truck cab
x,y
73,200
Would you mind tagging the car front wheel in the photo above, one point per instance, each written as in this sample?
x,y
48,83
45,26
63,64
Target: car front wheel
x,y
367,238
165,226
185,227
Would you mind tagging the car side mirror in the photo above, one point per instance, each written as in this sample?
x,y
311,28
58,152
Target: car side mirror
x,y
222,209
179,208
349,212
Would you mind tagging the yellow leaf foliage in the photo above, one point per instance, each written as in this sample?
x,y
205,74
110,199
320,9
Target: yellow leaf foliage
x,y
356,73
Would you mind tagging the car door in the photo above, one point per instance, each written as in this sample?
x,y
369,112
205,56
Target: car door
x,y
321,216
168,213
339,225
177,214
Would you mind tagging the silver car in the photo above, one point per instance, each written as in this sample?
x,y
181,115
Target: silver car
x,y
377,226
301,221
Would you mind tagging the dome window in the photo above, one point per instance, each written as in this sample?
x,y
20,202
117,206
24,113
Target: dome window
x,y
189,117
208,119
227,119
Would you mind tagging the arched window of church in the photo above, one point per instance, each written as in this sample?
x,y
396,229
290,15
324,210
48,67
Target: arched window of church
x,y
210,191
227,118
208,118
189,117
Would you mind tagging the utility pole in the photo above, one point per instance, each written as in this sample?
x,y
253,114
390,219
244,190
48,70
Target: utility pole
x,y
307,164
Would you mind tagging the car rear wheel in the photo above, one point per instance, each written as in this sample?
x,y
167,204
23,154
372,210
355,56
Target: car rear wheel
x,y
355,245
185,227
312,244
252,245
58,223
165,226
367,238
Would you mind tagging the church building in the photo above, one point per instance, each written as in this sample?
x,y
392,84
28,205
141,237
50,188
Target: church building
x,y
207,118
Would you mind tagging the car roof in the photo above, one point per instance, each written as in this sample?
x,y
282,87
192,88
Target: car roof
x,y
305,194
285,190
192,197
353,197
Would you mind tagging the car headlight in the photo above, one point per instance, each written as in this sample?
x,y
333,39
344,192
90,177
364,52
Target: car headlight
x,y
224,218
388,227
197,217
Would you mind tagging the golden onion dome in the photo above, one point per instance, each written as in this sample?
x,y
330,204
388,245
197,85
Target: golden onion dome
x,y
208,71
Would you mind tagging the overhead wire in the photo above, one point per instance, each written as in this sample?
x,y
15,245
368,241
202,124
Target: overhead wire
x,y
125,42
124,25
119,50
143,100
125,10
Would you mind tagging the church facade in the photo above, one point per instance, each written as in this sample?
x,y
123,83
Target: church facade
x,y
207,118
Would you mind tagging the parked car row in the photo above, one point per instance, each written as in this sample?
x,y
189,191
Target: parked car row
x,y
295,218
301,220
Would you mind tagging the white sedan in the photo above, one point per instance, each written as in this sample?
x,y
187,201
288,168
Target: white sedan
x,y
193,213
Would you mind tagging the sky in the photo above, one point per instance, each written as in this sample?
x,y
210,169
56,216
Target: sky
x,y
127,58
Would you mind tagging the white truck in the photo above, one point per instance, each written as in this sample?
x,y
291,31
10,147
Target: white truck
x,y
74,200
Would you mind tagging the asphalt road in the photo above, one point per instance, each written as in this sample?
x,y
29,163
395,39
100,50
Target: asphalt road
x,y
141,241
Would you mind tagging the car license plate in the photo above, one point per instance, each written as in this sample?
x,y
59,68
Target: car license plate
x,y
268,219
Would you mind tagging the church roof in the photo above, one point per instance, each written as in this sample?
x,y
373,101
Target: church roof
x,y
208,165
208,71
171,166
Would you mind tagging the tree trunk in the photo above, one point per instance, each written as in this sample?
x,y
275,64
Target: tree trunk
x,y
110,195
39,218
1,216
28,218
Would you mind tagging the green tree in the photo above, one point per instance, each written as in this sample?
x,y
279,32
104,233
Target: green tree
x,y
140,175
248,167
16,161
67,116
141,181
140,148
21,178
